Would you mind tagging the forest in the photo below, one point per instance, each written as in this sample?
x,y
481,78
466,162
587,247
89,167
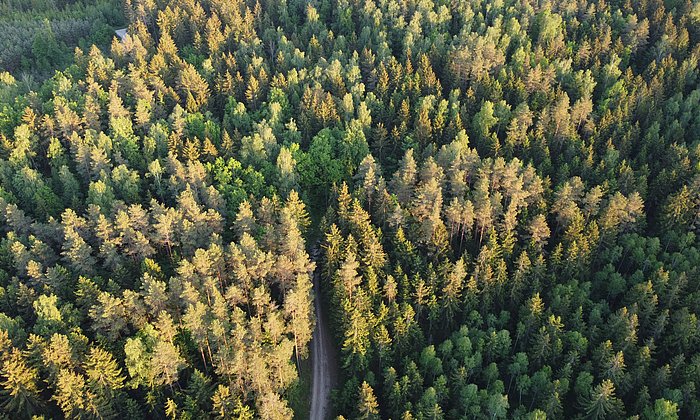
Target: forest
x,y
494,203
37,37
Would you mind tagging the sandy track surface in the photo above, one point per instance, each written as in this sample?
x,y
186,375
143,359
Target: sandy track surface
x,y
321,356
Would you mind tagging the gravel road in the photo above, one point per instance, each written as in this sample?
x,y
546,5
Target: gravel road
x,y
321,356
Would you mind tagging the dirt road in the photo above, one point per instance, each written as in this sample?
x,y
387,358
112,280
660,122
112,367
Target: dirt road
x,y
321,356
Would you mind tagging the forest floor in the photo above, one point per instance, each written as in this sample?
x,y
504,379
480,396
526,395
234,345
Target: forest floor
x,y
322,356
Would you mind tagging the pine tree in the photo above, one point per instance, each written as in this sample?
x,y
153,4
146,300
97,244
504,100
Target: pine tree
x,y
20,390
602,402
298,308
193,88
452,291
252,92
405,178
71,394
367,405
102,372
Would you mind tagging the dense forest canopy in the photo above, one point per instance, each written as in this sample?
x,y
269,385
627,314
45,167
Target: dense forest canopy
x,y
38,36
500,199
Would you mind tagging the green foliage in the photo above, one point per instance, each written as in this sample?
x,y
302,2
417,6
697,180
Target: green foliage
x,y
507,200
39,36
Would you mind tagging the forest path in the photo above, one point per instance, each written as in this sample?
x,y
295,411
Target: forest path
x,y
321,354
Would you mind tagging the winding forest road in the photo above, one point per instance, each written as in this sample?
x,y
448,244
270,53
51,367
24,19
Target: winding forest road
x,y
321,355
